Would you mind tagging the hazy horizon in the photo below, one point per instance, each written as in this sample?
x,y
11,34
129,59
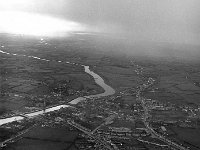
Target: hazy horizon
x,y
175,21
151,27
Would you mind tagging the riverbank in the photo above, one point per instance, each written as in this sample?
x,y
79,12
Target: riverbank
x,y
98,80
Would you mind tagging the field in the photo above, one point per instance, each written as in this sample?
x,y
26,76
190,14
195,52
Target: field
x,y
177,80
25,81
188,135
47,139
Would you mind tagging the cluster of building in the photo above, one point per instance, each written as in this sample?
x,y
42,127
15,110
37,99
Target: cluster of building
x,y
122,133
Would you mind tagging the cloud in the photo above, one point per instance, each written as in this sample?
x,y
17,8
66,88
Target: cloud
x,y
36,24
175,21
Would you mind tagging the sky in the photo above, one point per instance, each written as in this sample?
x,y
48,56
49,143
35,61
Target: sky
x,y
173,21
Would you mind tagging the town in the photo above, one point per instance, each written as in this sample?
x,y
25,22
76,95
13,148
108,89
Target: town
x,y
111,122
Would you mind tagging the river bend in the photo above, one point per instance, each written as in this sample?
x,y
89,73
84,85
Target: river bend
x,y
107,91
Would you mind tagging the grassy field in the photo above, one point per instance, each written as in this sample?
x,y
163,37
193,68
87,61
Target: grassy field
x,y
22,77
46,139
175,80
189,136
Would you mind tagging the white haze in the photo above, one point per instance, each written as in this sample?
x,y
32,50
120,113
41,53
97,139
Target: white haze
x,y
132,22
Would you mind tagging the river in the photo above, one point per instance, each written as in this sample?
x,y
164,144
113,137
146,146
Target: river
x,y
107,91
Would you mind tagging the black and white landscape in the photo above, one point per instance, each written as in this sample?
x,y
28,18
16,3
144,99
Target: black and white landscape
x,y
99,74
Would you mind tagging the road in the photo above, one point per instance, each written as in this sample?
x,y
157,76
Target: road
x,y
148,127
14,138
141,88
97,138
